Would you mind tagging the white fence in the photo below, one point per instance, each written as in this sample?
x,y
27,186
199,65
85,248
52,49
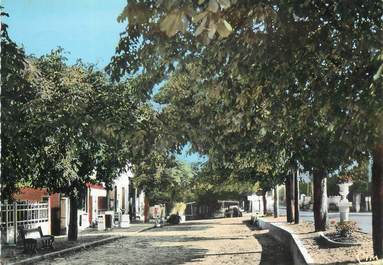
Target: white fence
x,y
22,215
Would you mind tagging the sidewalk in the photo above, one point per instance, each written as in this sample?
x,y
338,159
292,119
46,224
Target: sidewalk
x,y
87,238
133,228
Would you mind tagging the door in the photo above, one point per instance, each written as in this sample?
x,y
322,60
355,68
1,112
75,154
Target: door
x,y
94,208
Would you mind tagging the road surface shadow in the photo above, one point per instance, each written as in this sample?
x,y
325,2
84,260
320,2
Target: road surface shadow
x,y
171,228
201,222
132,251
185,238
273,252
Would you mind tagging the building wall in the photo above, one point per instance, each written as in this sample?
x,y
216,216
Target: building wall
x,y
39,195
55,213
140,205
121,192
102,203
30,194
256,202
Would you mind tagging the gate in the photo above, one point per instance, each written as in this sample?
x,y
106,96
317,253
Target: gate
x,y
22,215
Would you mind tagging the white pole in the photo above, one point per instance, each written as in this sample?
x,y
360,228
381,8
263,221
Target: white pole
x,y
6,222
15,222
49,215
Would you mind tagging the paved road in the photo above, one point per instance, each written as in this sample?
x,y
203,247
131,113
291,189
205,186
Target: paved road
x,y
218,241
364,220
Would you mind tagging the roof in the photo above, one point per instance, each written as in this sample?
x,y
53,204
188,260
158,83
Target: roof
x,y
95,186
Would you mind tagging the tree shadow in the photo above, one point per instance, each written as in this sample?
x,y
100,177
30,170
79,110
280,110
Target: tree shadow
x,y
273,252
189,238
173,228
61,243
134,250
198,222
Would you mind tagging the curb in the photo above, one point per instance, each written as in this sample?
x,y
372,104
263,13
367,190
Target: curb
x,y
335,243
145,229
291,241
83,246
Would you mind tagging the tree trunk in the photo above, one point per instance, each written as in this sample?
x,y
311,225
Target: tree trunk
x,y
108,199
264,202
276,208
289,184
377,201
73,229
320,200
146,209
296,197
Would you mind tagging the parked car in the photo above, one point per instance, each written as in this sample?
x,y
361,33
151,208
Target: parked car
x,y
233,211
174,219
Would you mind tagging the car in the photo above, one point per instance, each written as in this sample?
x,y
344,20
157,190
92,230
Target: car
x,y
233,211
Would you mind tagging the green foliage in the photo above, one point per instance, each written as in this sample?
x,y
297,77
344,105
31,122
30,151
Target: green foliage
x,y
179,208
63,121
359,175
346,228
292,80
211,185
360,178
165,180
16,90
63,125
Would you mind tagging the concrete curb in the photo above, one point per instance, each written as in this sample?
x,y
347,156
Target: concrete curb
x,y
145,229
297,250
34,259
335,243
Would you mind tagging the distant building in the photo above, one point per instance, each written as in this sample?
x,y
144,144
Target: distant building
x,y
126,202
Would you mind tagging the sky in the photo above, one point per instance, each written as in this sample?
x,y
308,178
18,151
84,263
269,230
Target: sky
x,y
86,29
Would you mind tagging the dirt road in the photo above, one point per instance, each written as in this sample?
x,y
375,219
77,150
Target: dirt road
x,y
218,241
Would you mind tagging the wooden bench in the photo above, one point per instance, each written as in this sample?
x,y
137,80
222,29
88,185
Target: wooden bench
x,y
33,239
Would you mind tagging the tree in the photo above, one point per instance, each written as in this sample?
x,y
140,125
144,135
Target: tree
x,y
289,185
327,71
62,127
79,123
16,148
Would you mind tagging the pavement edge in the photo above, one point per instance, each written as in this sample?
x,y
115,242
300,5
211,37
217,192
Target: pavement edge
x,y
295,245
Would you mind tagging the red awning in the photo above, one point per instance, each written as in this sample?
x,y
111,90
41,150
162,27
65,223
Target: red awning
x,y
95,186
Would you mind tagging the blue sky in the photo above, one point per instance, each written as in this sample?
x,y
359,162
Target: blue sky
x,y
86,29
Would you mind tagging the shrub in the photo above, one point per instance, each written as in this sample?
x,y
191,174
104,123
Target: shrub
x,y
346,228
179,208
344,179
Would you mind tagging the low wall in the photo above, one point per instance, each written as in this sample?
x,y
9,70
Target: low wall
x,y
298,252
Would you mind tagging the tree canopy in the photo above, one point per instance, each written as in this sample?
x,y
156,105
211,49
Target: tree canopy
x,y
293,80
